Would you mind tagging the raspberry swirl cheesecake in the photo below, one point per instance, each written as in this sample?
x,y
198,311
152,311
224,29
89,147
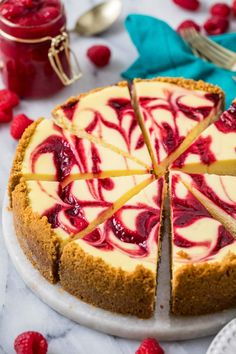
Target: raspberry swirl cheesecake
x,y
87,190
173,112
48,152
125,249
214,150
203,259
48,215
106,115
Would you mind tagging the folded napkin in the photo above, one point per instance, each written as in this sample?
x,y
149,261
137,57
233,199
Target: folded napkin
x,y
162,52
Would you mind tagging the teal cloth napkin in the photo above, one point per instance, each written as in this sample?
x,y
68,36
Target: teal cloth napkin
x,y
162,52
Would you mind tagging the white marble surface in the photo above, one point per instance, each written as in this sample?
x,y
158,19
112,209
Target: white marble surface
x,y
20,309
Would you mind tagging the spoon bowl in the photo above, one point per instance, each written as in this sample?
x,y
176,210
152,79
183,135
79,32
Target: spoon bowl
x,y
99,18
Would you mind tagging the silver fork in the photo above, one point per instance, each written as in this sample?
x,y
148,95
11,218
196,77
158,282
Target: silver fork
x,y
209,50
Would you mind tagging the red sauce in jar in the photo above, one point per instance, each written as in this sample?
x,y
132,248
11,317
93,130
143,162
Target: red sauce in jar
x,y
26,66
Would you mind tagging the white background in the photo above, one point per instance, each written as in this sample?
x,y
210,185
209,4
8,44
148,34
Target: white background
x,y
20,310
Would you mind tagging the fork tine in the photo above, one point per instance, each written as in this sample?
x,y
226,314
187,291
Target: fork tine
x,y
187,38
216,57
223,54
216,46
220,57
212,53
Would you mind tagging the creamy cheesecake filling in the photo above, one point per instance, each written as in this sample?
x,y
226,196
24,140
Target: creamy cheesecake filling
x,y
69,157
217,194
83,203
130,236
214,151
106,114
196,236
171,116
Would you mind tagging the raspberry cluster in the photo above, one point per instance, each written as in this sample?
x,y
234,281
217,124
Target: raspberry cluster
x,y
219,19
8,101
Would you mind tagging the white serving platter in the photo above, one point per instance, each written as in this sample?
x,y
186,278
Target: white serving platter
x,y
225,341
163,326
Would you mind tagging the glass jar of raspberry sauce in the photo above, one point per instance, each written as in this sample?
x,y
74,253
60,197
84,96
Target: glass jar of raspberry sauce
x,y
34,47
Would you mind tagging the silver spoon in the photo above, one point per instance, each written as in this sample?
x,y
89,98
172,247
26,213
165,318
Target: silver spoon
x,y
99,18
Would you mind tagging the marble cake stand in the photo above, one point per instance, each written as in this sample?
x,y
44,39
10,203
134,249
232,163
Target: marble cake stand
x,y
163,326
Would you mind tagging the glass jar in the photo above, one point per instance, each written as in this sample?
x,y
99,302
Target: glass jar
x,y
36,59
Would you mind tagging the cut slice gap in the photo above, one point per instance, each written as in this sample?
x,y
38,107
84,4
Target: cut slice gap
x,y
106,116
214,151
223,168
217,194
84,176
125,248
203,255
167,135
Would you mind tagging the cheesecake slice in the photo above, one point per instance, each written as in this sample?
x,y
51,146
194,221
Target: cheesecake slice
x,y
173,112
214,151
203,256
48,215
50,153
217,194
106,115
115,266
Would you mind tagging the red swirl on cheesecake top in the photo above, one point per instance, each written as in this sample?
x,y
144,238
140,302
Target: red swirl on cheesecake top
x,y
69,214
108,115
216,188
205,147
171,117
70,154
195,232
124,116
131,230
137,241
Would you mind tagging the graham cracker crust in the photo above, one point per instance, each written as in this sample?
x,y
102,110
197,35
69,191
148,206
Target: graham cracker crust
x,y
95,282
16,174
198,289
35,235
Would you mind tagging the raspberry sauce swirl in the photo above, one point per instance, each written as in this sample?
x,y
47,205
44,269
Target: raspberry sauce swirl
x,y
186,213
126,123
203,146
69,214
164,117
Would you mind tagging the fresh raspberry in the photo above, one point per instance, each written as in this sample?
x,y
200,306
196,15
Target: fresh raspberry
x,y
216,25
234,8
191,5
149,346
188,24
30,343
99,55
18,125
5,116
220,9
8,99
